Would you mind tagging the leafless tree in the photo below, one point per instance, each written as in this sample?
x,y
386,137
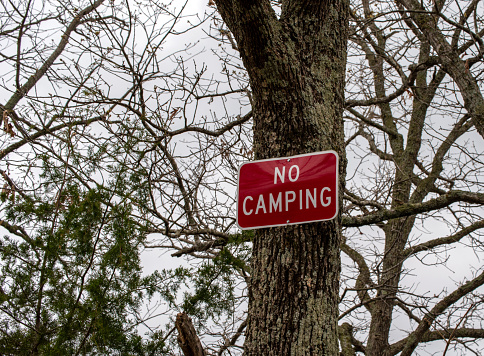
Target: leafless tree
x,y
97,94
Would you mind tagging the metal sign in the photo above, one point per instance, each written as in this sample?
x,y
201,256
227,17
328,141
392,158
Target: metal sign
x,y
290,190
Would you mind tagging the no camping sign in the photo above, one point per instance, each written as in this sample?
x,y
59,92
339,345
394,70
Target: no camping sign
x,y
289,190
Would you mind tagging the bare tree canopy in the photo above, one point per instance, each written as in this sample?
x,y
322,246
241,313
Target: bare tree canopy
x,y
124,124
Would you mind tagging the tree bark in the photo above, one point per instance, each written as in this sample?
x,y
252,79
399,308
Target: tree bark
x,y
187,336
296,65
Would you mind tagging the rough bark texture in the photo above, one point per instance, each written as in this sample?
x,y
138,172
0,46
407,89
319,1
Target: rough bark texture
x,y
346,340
296,64
187,336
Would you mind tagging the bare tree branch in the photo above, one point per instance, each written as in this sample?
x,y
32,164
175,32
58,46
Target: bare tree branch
x,y
415,337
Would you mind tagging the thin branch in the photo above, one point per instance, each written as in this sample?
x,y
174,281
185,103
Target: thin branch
x,y
24,89
443,240
416,337
234,338
240,120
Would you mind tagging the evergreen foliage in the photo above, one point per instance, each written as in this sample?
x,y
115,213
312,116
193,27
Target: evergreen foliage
x,y
71,280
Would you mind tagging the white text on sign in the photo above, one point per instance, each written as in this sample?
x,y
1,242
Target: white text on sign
x,y
309,198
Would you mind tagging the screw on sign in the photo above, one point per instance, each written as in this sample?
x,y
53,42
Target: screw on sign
x,y
290,190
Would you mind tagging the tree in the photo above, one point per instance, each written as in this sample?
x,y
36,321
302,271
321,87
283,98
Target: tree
x,y
70,286
420,184
152,132
71,276
296,67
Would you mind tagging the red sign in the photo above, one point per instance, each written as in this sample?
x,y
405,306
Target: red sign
x,y
290,190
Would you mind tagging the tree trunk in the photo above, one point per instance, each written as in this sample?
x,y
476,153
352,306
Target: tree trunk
x,y
187,336
296,66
